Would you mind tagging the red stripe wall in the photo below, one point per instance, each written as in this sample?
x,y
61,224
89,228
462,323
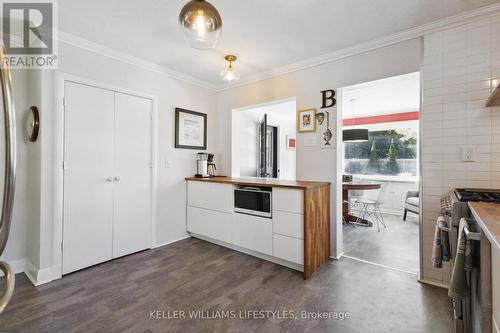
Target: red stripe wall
x,y
386,118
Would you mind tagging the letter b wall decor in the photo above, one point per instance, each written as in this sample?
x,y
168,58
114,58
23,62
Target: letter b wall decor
x,y
328,98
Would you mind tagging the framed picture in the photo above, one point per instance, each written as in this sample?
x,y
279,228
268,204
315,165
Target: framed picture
x,y
306,120
190,129
291,143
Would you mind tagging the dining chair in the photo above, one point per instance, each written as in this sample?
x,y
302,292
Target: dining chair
x,y
371,208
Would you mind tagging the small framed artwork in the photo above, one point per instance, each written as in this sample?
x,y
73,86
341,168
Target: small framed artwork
x,y
190,129
306,120
291,143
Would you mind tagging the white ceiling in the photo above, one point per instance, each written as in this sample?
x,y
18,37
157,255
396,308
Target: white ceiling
x,y
396,94
264,34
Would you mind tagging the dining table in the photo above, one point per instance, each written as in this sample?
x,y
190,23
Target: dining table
x,y
356,186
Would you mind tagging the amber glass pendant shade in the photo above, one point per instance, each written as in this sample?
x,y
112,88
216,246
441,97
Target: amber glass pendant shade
x,y
201,24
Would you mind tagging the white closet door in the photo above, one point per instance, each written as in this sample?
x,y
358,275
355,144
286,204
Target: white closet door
x,y
88,192
132,191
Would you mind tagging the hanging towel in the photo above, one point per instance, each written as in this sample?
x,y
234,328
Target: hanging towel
x,y
441,243
463,263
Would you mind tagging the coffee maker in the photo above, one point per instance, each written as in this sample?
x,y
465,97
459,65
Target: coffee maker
x,y
202,165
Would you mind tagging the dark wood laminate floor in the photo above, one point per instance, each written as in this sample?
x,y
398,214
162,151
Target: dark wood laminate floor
x,y
395,246
195,275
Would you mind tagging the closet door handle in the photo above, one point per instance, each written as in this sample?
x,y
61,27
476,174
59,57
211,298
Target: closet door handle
x,y
117,179
109,179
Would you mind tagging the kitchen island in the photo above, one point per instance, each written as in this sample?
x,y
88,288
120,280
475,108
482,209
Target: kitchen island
x,y
296,234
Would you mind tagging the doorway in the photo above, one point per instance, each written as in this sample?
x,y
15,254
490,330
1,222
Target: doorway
x,y
380,164
268,149
260,136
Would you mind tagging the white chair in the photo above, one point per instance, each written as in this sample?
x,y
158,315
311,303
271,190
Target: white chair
x,y
371,208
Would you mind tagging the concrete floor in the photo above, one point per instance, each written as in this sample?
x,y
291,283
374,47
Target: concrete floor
x,y
118,296
396,246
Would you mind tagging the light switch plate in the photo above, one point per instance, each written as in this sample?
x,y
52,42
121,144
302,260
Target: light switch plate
x,y
467,154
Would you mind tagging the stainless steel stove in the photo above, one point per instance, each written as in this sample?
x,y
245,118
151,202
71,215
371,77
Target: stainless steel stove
x,y
470,194
472,314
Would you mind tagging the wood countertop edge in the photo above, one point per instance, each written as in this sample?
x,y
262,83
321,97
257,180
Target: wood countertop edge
x,y
486,223
304,185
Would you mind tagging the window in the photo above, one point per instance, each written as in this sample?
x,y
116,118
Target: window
x,y
389,152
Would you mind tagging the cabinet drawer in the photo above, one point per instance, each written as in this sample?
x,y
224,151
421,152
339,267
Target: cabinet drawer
x,y
211,196
288,200
288,248
254,233
209,223
288,224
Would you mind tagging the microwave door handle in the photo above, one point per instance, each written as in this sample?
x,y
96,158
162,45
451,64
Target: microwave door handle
x,y
252,189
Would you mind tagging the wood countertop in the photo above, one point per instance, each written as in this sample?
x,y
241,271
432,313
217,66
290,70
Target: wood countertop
x,y
265,182
487,216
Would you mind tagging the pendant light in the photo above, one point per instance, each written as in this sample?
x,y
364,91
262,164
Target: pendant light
x,y
355,134
229,74
201,24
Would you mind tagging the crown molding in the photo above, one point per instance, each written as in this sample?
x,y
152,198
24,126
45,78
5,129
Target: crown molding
x,y
431,27
88,45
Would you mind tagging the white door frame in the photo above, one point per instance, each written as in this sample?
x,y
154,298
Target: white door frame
x,y
60,79
337,234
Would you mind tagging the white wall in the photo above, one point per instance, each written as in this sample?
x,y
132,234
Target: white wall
x,y
171,184
245,138
246,128
459,65
314,163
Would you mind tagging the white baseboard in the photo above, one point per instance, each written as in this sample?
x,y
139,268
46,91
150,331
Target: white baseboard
x,y
171,242
37,276
338,257
495,328
16,265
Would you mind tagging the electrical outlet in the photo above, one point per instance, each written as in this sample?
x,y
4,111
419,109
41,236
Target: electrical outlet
x,y
168,164
467,154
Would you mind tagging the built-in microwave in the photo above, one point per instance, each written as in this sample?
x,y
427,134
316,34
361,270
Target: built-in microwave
x,y
253,200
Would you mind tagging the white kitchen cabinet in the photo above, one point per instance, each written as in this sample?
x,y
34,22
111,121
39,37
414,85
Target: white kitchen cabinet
x,y
253,232
288,200
288,224
280,239
107,206
211,196
210,223
288,248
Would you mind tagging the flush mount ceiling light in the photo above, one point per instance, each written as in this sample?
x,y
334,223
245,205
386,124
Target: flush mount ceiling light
x,y
201,24
229,74
356,134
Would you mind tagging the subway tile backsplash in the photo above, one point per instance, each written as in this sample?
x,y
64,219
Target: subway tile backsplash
x,y
459,67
